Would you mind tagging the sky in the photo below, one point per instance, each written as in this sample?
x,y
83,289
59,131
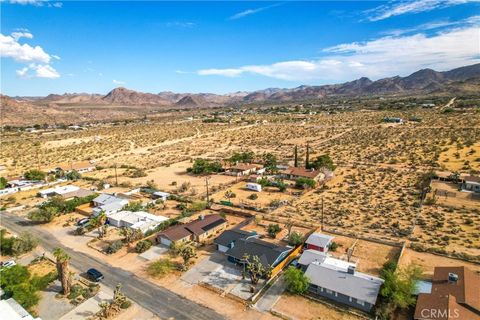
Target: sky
x,y
221,47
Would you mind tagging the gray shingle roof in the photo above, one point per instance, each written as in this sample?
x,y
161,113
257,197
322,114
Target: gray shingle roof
x,y
266,251
229,236
319,239
358,285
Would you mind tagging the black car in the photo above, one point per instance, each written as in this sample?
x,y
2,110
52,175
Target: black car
x,y
94,274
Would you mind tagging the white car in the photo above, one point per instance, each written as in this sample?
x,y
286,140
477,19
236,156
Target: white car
x,y
7,264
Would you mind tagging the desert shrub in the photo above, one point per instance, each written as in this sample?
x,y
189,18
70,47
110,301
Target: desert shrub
x,y
333,246
305,183
114,247
253,196
143,246
273,229
125,304
160,267
35,174
295,238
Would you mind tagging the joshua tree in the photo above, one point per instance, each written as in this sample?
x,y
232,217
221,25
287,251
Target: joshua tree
x,y
307,158
62,269
186,251
130,234
295,163
254,268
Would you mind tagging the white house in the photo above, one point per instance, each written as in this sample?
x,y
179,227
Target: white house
x,y
135,220
108,204
471,183
57,191
161,195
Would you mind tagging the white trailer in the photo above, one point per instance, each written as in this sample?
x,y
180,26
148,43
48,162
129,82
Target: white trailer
x,y
254,187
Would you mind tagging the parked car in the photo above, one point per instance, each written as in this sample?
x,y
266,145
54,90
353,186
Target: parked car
x,y
95,275
83,222
7,264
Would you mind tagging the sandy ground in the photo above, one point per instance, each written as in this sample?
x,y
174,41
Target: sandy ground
x,y
299,308
428,262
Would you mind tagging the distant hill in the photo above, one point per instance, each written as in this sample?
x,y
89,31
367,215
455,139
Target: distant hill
x,y
425,81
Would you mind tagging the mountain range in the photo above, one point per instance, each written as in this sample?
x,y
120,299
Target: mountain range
x,y
426,81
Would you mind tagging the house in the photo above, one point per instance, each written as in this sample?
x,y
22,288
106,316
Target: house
x,y
12,310
455,295
58,191
293,173
135,220
108,204
269,253
228,238
318,241
339,281
80,193
471,183
161,195
80,167
198,230
244,169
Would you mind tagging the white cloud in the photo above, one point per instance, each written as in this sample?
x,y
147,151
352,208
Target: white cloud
x,y
118,82
38,71
17,35
38,3
249,12
473,20
11,48
378,58
36,58
397,8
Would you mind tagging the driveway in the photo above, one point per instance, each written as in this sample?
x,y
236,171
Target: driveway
x,y
49,306
271,296
154,252
88,308
204,268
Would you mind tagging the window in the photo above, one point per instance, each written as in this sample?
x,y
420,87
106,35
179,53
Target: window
x,y
360,302
329,291
350,299
314,286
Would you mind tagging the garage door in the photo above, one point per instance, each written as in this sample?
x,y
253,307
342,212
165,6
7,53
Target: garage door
x,y
165,241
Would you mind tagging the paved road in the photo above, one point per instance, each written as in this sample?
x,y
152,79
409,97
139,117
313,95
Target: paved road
x,y
158,300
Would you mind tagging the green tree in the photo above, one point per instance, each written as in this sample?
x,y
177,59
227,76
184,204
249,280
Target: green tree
x,y
187,251
244,157
73,175
35,174
3,183
297,282
204,166
397,289
273,229
26,242
43,214
295,238
133,206
305,183
323,161
270,162
14,275
255,268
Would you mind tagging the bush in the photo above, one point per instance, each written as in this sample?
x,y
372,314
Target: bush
x,y
333,246
305,183
253,196
295,238
35,174
296,280
125,304
143,246
273,230
160,267
205,166
114,247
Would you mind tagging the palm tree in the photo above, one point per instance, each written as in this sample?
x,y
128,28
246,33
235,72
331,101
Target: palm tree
x,y
62,269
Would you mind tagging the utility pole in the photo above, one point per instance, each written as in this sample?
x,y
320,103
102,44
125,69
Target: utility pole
x,y
116,177
206,184
321,227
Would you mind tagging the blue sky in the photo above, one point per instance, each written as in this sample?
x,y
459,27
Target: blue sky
x,y
220,47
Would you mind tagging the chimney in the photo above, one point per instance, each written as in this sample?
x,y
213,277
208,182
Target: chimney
x,y
452,278
351,270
